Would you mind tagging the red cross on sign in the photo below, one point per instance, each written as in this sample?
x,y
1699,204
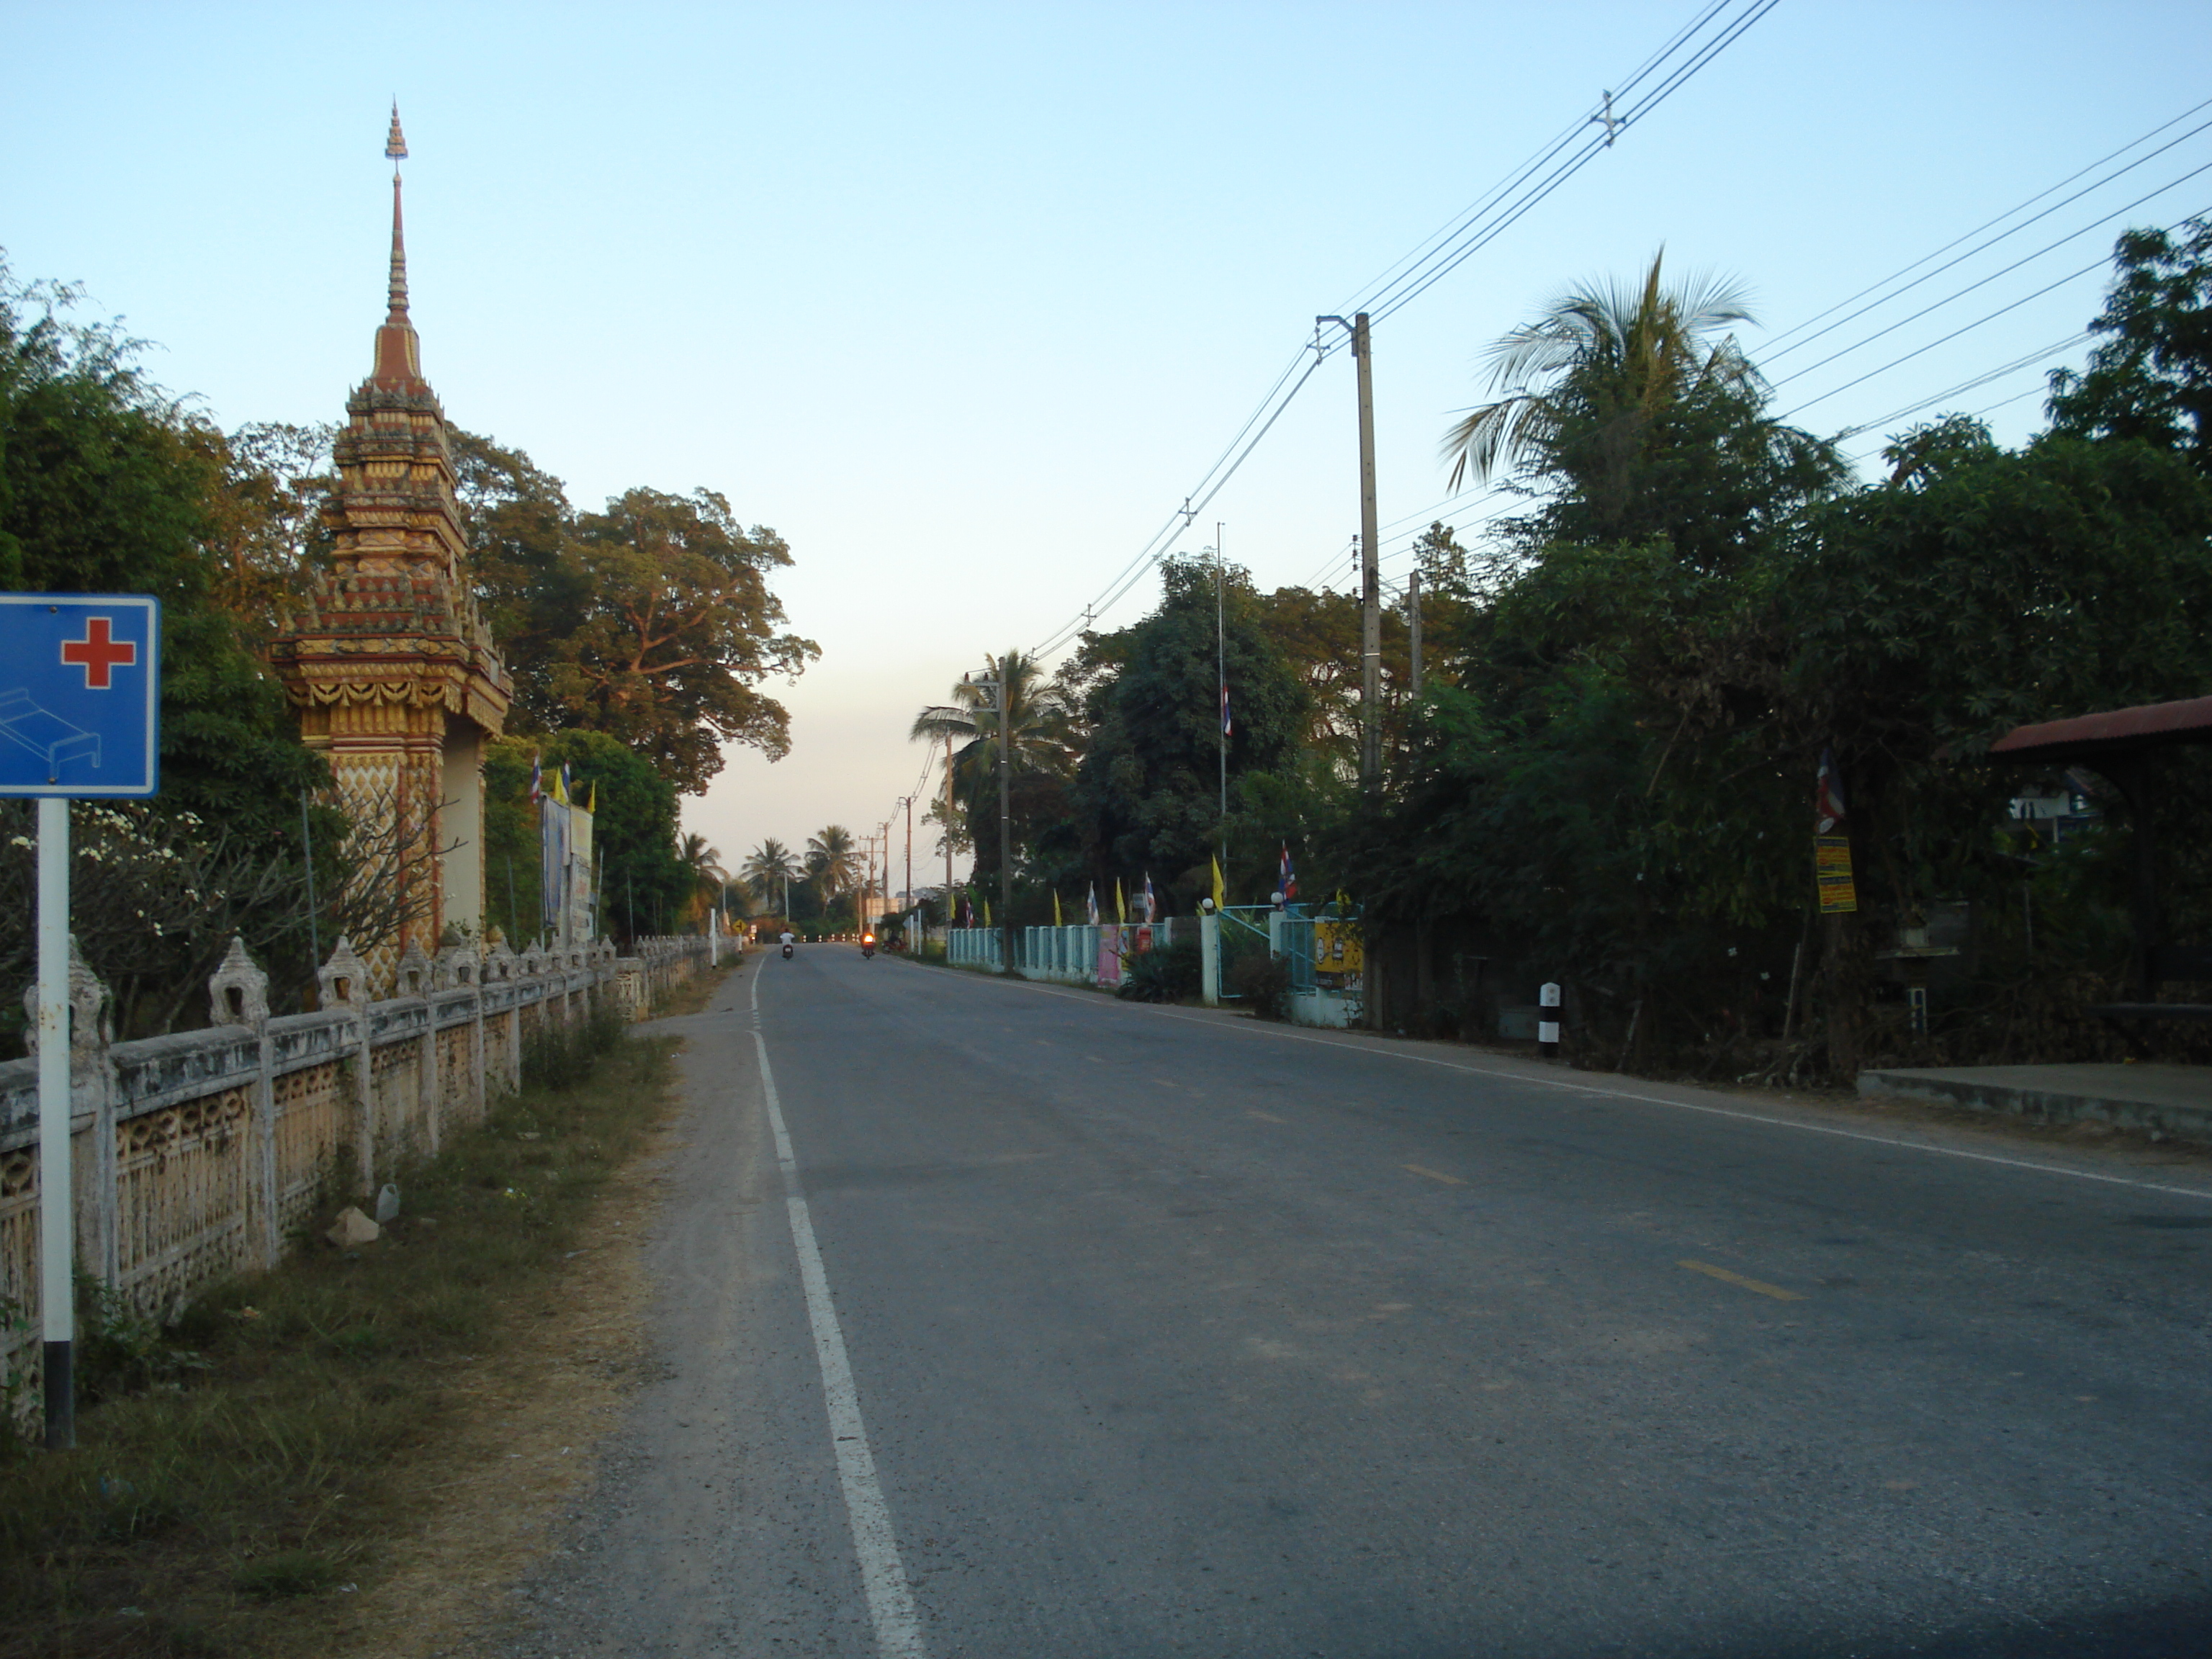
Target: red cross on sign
x,y
98,654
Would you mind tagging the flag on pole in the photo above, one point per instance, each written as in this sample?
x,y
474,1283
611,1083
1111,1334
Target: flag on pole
x,y
987,913
1055,907
1220,893
537,780
1091,904
1151,903
1120,904
1228,725
1288,880
1827,795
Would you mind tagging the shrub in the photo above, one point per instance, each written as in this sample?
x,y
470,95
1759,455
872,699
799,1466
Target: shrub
x,y
1263,984
1169,975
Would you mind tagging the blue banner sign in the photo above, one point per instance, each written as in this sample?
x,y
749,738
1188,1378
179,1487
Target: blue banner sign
x,y
80,695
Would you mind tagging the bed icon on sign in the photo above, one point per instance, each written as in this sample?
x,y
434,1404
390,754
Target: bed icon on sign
x,y
48,736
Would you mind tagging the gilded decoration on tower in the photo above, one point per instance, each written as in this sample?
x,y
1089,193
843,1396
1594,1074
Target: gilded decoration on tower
x,y
394,675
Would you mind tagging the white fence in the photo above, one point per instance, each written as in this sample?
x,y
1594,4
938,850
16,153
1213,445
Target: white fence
x,y
197,1155
1080,955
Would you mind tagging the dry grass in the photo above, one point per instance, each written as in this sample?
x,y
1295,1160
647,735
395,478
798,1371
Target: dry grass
x,y
348,1454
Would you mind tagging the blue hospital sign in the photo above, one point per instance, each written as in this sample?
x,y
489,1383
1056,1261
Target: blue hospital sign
x,y
80,685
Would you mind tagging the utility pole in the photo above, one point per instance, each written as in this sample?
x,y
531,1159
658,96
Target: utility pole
x,y
1006,831
1414,629
908,803
948,830
1221,658
1371,568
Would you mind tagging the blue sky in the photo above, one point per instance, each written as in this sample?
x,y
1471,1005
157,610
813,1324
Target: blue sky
x,y
964,300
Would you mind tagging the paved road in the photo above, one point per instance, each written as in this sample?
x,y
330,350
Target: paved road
x,y
1169,1335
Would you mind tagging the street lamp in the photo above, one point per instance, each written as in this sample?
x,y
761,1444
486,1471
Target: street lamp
x,y
997,685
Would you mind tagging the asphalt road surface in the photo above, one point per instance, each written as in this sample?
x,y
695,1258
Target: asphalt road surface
x,y
1071,1328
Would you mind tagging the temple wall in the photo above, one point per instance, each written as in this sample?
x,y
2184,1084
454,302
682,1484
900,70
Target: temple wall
x,y
203,1154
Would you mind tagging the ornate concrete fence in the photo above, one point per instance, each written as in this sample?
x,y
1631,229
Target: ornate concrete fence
x,y
201,1154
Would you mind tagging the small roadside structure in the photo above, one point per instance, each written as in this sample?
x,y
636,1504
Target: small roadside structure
x,y
2120,745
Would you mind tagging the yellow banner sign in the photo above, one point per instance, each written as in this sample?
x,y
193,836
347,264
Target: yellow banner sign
x,y
1831,874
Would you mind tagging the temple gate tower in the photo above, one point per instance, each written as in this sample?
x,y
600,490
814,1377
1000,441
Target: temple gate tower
x,y
395,677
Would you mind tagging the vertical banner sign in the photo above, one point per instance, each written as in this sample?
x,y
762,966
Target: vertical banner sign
x,y
80,685
1831,874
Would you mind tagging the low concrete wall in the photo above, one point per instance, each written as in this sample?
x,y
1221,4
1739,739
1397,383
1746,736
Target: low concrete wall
x,y
2174,1100
201,1154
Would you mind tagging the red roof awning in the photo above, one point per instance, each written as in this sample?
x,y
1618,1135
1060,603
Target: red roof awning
x,y
2122,730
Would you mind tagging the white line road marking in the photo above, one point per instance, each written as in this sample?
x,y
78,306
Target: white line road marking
x,y
1251,1029
882,1575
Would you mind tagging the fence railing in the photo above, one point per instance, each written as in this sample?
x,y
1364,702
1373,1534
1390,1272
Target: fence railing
x,y
201,1154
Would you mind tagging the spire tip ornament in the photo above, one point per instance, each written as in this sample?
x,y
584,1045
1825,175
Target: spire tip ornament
x,y
395,142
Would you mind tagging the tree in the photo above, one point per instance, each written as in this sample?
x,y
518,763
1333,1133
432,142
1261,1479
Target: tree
x,y
108,486
1147,793
652,621
830,862
1639,417
769,870
1039,733
2151,378
643,884
708,876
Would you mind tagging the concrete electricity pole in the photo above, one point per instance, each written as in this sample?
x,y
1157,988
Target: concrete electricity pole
x,y
906,803
1371,568
1413,630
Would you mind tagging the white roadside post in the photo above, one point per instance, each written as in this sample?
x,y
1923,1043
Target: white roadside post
x,y
1209,953
57,1216
1547,1026
80,685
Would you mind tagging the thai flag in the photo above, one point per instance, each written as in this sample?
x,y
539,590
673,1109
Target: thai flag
x,y
1289,879
1091,904
1827,794
537,780
1152,904
1228,725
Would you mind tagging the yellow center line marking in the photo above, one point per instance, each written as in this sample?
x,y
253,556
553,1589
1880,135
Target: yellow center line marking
x,y
1728,1278
1436,1175
1264,1117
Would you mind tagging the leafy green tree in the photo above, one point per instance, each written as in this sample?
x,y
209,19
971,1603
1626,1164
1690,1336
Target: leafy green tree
x,y
2151,377
652,621
643,883
108,486
1147,793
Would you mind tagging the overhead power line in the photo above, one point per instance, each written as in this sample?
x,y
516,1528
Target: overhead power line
x,y
1715,26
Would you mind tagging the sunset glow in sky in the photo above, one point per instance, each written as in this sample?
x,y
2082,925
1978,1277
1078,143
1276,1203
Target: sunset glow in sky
x,y
963,300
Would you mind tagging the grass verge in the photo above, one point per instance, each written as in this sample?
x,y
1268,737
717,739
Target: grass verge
x,y
239,1482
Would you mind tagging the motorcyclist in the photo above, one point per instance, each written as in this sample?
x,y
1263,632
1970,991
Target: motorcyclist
x,y
789,939
867,946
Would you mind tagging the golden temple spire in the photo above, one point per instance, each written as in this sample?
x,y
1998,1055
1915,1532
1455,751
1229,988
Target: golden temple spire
x,y
395,146
398,353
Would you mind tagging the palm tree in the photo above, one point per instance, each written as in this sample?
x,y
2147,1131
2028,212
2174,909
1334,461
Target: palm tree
x,y
831,864
1646,419
1038,720
1619,355
705,863
769,869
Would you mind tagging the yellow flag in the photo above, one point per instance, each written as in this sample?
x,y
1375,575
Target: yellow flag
x,y
1219,898
1055,906
1121,906
987,913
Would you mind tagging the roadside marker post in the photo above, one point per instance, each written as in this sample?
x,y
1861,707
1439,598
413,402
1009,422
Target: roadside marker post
x,y
80,718
1548,1023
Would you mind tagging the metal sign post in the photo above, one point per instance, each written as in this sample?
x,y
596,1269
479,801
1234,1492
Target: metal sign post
x,y
80,687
